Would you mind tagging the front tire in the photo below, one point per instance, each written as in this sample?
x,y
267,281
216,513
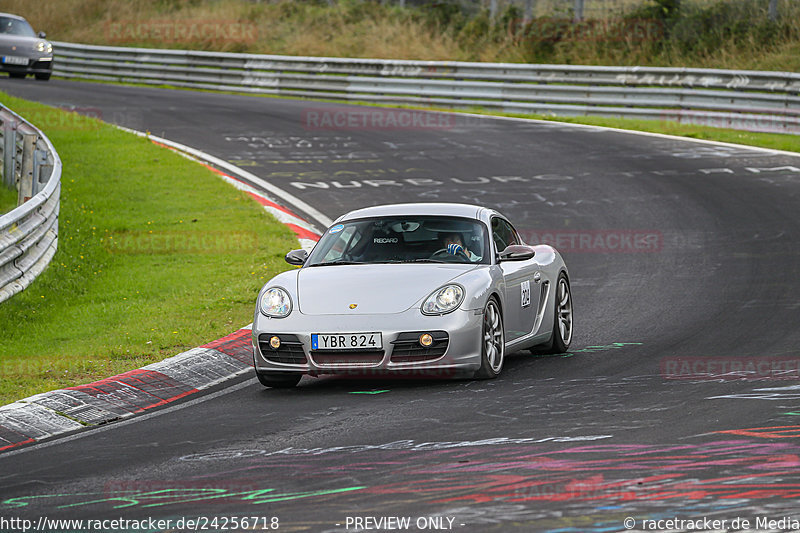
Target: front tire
x,y
493,341
279,380
562,321
42,77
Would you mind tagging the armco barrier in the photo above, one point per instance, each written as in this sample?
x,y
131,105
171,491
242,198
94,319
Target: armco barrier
x,y
748,100
29,233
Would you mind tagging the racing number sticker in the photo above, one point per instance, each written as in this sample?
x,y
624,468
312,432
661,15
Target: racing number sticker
x,y
526,293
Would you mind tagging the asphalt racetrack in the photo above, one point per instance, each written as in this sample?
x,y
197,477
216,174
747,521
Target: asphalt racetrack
x,y
680,398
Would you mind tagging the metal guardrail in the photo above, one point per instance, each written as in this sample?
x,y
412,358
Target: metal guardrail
x,y
29,233
748,100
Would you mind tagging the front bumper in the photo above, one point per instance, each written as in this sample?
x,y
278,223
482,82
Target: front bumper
x,y
461,358
34,66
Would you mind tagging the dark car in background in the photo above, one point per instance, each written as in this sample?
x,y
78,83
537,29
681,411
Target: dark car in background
x,y
22,51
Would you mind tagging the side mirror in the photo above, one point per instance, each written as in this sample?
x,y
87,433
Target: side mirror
x,y
517,252
42,35
296,257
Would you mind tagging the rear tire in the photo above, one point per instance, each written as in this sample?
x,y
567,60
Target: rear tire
x,y
17,75
279,380
562,319
493,341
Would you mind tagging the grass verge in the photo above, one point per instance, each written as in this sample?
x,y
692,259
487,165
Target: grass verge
x,y
8,199
156,255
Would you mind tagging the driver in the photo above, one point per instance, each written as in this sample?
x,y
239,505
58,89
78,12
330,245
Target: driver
x,y
453,244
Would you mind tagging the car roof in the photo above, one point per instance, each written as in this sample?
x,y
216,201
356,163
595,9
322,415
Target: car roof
x,y
12,16
425,208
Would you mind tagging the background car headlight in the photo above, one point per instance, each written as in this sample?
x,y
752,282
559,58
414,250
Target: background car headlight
x,y
443,300
275,302
44,46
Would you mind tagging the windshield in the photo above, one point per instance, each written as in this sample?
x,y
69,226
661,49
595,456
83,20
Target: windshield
x,y
9,26
412,239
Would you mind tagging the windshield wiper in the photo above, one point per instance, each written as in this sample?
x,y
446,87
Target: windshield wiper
x,y
425,260
339,263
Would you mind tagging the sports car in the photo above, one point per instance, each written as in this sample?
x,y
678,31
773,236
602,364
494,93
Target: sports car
x,y
424,289
22,51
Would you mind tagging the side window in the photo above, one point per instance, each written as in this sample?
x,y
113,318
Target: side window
x,y
341,245
503,234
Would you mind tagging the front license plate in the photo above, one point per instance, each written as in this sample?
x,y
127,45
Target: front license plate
x,y
15,60
346,341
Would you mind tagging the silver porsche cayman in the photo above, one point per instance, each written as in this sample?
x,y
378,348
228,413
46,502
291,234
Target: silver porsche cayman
x,y
426,289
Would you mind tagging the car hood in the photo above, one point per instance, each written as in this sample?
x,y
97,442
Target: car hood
x,y
375,289
25,45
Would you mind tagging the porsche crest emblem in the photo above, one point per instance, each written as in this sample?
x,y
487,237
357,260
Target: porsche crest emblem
x,y
353,306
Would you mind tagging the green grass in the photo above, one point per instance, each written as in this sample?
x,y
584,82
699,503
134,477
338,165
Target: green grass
x,y
156,255
8,199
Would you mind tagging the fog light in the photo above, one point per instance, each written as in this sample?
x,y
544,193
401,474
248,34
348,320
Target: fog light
x,y
425,339
275,342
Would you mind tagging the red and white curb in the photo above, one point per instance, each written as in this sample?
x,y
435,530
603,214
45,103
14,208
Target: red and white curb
x,y
46,415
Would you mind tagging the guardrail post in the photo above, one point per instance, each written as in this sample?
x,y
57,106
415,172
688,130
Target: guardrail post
x,y
578,10
26,168
9,151
528,16
40,173
773,10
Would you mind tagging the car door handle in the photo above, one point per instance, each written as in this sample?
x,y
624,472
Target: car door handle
x,y
537,277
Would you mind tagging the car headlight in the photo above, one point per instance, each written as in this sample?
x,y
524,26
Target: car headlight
x,y
443,300
276,303
44,46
